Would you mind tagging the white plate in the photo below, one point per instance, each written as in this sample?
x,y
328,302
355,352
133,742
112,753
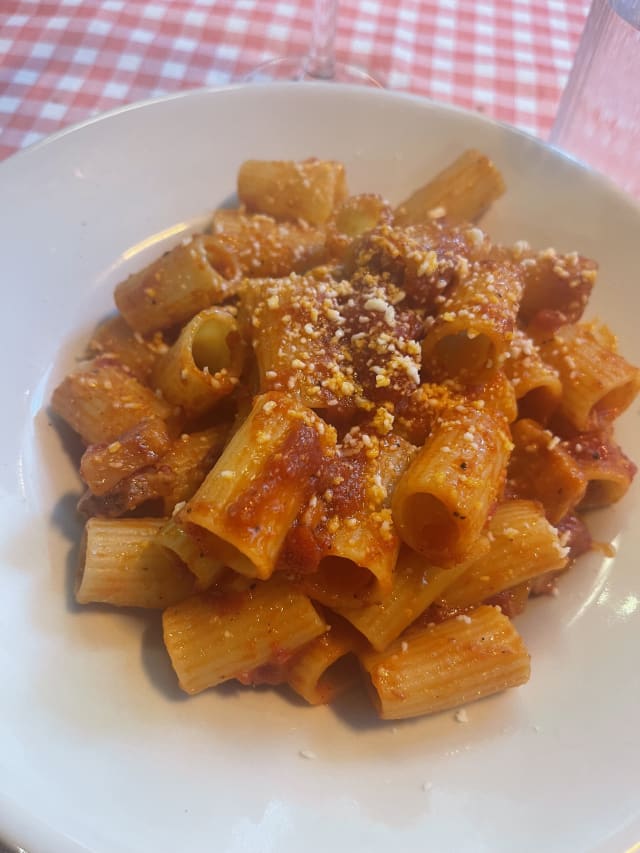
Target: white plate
x,y
99,751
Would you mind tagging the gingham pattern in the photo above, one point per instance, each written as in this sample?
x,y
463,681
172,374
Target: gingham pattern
x,y
64,60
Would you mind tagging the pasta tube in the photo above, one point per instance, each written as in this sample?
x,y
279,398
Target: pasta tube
x,y
266,248
472,331
442,501
115,339
356,215
424,408
324,668
101,400
416,585
285,189
192,550
541,468
597,383
361,544
193,276
536,385
461,192
522,545
204,364
554,283
258,486
447,665
215,636
296,331
121,565
422,260
608,471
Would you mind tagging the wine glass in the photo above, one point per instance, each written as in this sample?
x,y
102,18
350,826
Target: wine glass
x,y
319,64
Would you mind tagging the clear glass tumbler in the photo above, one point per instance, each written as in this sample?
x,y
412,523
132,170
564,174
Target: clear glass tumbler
x,y
598,119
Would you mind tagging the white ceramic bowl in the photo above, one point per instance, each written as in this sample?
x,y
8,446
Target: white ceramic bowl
x,y
99,751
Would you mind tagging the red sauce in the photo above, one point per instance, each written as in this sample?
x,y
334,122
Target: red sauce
x,y
303,548
346,480
294,467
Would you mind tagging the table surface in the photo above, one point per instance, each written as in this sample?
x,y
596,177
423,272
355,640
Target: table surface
x,y
63,61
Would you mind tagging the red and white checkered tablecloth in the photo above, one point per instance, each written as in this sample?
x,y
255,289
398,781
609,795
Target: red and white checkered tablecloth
x,y
65,60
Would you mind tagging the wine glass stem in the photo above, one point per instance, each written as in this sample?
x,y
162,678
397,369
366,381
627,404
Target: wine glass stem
x,y
321,60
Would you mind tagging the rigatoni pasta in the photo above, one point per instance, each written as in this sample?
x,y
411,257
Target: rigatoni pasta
x,y
443,500
416,585
598,383
215,636
309,190
339,442
122,564
196,274
542,468
447,665
325,667
264,246
462,192
472,330
203,365
259,484
102,399
522,545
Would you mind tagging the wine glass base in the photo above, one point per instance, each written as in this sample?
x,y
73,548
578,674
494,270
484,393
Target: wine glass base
x,y
297,69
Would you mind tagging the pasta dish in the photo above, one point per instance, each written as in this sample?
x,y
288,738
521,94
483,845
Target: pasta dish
x,y
337,441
